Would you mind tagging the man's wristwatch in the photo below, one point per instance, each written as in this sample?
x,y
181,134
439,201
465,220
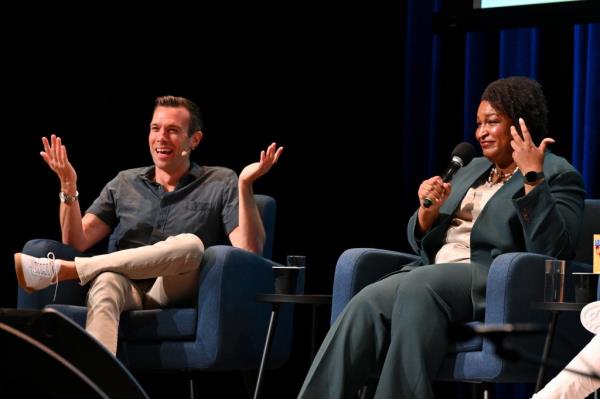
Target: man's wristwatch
x,y
66,198
533,177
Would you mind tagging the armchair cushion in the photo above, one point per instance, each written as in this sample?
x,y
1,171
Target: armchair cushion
x,y
177,324
144,325
468,345
225,331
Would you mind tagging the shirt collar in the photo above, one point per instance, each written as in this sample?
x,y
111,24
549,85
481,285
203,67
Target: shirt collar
x,y
194,173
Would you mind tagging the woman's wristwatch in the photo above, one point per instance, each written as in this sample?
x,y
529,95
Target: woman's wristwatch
x,y
533,177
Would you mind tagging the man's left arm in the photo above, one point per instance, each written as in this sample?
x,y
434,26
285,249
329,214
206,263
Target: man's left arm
x,y
250,232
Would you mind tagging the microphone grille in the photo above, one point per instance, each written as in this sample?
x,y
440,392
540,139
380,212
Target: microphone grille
x,y
464,151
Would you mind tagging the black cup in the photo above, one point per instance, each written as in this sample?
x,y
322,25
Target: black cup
x,y
586,287
285,279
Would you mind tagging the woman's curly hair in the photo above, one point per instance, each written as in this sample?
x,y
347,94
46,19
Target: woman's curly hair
x,y
520,97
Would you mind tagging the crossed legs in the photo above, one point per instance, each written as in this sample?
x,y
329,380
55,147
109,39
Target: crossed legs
x,y
115,281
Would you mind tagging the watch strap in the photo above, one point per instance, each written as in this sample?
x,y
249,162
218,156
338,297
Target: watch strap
x,y
532,177
66,198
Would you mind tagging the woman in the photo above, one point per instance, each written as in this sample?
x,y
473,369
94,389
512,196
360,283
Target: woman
x,y
517,197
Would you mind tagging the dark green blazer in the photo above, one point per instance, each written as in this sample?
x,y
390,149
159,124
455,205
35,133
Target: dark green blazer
x,y
545,221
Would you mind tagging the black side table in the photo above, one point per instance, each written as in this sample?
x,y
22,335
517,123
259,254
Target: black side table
x,y
555,308
276,300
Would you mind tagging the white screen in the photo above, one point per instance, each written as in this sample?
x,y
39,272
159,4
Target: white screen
x,y
508,3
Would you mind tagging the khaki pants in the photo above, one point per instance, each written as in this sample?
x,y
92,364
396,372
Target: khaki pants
x,y
118,282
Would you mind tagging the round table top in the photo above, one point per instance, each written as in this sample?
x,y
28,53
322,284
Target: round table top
x,y
559,306
298,298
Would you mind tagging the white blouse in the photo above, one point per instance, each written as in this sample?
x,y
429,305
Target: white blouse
x,y
457,243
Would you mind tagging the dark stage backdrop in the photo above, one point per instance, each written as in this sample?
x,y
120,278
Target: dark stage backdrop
x,y
321,81
368,100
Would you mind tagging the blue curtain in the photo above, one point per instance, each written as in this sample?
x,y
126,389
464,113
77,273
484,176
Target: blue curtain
x,y
519,52
474,81
586,105
418,93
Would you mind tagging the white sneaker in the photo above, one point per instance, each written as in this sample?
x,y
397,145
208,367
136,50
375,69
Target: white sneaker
x,y
590,317
35,274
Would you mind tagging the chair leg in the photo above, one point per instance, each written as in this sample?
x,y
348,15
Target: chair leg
x,y
488,390
482,390
368,391
478,391
249,377
193,387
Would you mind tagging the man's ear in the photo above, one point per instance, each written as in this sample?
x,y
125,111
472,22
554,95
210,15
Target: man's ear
x,y
196,138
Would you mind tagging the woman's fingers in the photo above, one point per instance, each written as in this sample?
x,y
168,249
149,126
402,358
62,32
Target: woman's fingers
x,y
545,142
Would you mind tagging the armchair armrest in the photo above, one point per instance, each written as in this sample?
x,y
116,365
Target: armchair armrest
x,y
359,267
515,280
231,323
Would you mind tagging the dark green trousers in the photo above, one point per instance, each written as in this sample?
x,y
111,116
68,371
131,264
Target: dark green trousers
x,y
397,328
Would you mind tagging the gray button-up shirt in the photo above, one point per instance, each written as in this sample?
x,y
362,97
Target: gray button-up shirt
x,y
141,212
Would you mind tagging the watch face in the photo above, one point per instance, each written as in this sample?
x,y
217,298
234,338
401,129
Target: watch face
x,y
532,177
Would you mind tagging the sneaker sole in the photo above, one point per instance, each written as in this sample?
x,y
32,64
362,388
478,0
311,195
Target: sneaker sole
x,y
590,317
20,274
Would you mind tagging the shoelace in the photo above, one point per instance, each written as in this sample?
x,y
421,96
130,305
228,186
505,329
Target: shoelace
x,y
51,258
43,270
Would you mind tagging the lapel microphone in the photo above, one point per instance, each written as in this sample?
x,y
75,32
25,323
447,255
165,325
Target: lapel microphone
x,y
186,151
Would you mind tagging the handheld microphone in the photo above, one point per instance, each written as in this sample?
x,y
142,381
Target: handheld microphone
x,y
461,156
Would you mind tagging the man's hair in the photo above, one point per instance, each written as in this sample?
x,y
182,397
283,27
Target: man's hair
x,y
520,97
195,114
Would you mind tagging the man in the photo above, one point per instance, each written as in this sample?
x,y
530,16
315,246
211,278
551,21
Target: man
x,y
159,219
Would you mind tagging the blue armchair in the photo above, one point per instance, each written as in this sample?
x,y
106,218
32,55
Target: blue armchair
x,y
515,280
224,331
